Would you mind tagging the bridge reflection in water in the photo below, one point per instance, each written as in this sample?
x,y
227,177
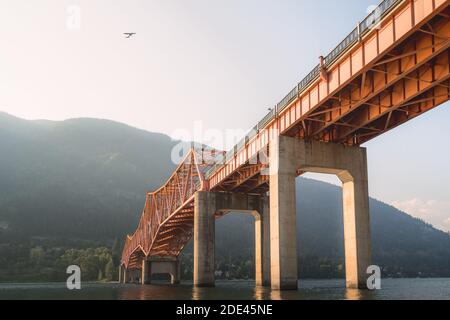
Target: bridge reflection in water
x,y
246,290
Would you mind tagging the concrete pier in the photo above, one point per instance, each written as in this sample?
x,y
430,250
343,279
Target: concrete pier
x,y
262,243
160,265
209,204
291,156
283,219
204,237
145,272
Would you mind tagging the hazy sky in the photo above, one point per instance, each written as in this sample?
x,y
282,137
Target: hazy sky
x,y
219,62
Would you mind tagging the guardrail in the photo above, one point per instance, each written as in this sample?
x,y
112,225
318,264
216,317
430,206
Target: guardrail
x,y
362,28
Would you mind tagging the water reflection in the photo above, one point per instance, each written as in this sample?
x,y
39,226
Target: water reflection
x,y
230,290
261,293
358,294
198,293
154,291
276,295
132,292
353,294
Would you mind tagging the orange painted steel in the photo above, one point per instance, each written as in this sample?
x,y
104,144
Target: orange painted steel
x,y
167,219
375,80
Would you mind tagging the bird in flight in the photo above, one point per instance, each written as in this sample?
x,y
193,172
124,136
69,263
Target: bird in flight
x,y
129,34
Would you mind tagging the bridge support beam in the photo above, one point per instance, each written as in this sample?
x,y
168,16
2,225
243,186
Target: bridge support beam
x,y
209,204
160,265
145,272
290,156
262,244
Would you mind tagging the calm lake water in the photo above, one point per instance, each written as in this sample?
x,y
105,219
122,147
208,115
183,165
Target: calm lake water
x,y
415,289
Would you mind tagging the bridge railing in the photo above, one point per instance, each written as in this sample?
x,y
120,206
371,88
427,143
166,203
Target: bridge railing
x,y
362,28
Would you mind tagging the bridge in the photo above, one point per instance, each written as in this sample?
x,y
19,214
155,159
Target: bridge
x,y
393,67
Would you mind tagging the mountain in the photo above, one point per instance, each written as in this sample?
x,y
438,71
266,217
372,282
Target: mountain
x,y
81,178
81,183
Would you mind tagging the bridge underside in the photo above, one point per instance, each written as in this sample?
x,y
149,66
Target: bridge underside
x,y
408,81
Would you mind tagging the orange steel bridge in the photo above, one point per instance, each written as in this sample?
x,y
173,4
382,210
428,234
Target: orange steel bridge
x,y
393,67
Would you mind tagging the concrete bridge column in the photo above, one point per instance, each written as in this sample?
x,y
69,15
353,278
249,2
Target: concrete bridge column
x,y
176,271
146,272
262,244
283,220
161,265
204,238
206,205
357,235
290,157
120,274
